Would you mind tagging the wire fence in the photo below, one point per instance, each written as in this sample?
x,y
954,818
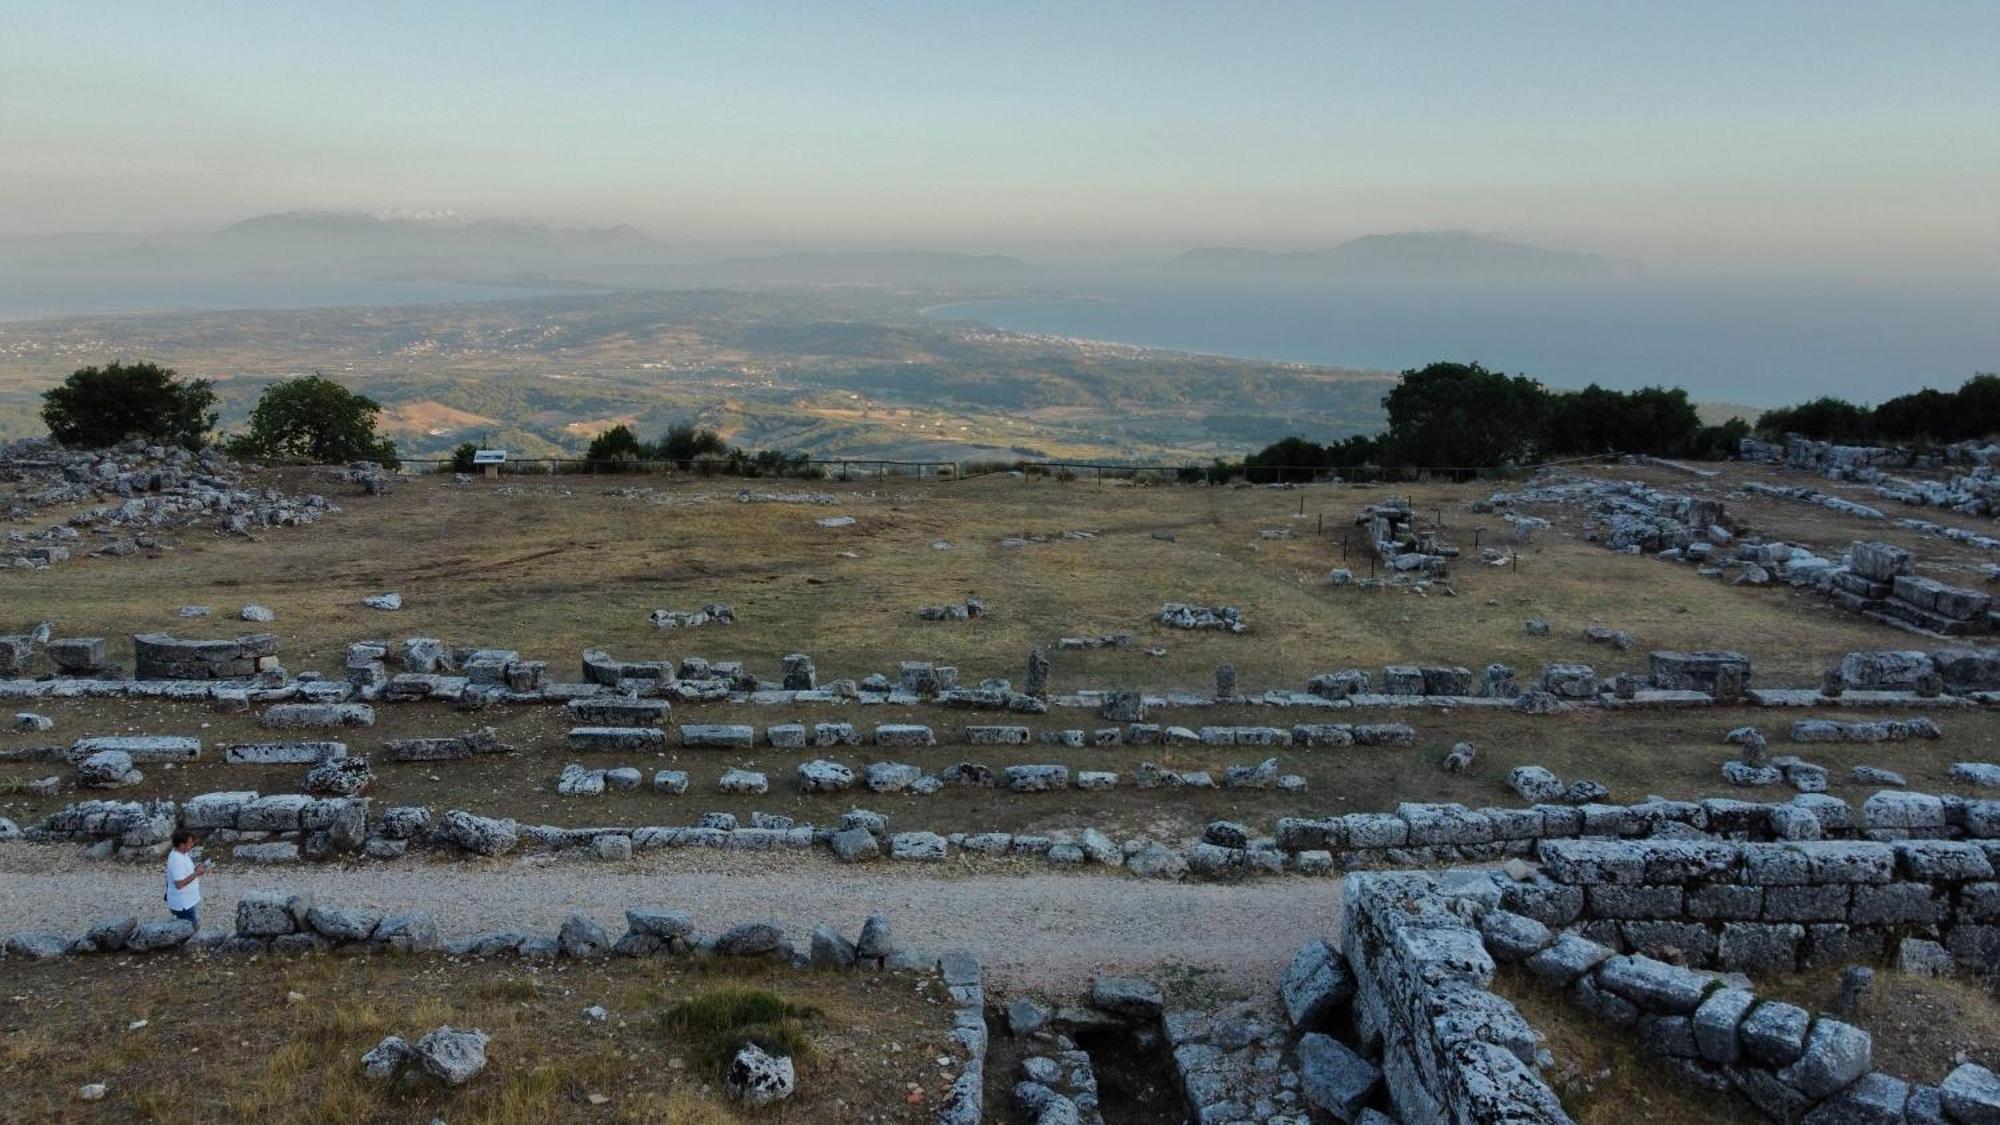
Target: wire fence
x,y
863,468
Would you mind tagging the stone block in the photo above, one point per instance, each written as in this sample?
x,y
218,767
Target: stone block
x,y
1760,947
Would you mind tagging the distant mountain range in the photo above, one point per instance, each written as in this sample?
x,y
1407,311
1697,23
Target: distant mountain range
x,y
446,246
350,233
1444,255
883,266
334,247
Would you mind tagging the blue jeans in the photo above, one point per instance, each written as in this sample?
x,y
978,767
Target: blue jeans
x,y
186,916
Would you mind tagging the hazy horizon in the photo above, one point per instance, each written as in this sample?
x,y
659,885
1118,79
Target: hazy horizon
x,y
1783,139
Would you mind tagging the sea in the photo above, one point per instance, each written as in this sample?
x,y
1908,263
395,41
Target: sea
x,y
1759,344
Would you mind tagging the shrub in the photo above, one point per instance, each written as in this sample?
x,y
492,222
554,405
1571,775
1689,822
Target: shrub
x,y
315,419
615,448
715,1025
461,458
684,442
100,406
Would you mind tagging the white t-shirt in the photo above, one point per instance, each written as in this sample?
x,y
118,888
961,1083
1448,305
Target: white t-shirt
x,y
179,866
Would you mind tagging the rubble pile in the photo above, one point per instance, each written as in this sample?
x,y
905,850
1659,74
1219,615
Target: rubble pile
x,y
139,496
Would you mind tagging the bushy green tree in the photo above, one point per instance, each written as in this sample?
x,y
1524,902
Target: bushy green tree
x,y
1720,442
100,406
1824,419
1654,420
614,448
462,458
1462,415
684,441
317,420
1296,459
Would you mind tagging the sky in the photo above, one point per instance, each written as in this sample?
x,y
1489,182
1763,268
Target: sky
x,y
1852,139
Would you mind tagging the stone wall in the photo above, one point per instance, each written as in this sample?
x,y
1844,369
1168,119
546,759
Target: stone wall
x,y
1762,907
240,673
1451,1050
1447,833
277,828
288,827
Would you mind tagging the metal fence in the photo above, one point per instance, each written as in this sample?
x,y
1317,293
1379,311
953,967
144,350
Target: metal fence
x,y
832,468
863,468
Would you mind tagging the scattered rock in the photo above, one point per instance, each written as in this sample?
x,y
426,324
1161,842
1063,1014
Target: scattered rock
x,y
759,1079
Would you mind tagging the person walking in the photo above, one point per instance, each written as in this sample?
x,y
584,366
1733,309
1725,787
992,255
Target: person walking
x,y
184,879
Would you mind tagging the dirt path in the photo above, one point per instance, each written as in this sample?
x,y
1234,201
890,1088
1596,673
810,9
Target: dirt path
x,y
1032,928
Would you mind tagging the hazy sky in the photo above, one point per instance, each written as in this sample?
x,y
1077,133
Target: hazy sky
x,y
1862,138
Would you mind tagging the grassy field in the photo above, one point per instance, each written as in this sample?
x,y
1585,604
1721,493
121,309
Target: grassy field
x,y
1923,1027
553,566
280,1039
1674,753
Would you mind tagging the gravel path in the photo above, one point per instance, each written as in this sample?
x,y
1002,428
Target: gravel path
x,y
1032,928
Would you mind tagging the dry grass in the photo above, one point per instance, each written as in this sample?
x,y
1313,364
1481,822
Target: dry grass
x,y
556,565
1601,1075
1923,1027
222,1042
1672,753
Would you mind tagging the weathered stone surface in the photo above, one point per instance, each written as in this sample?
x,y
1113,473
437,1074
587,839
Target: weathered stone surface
x,y
282,753
743,781
618,739
452,1057
759,1079
387,1059
1534,784
288,716
159,656
445,748
1834,1055
1754,947
1335,1079
340,924
270,913
150,937
37,946
617,711
750,939
1774,1033
1716,1022
407,932
852,845
903,734
1127,996
1971,1094
480,834
1653,985
1513,937
720,736
581,937
1315,984
926,847
1873,1099
1037,778
142,749
107,769
823,776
